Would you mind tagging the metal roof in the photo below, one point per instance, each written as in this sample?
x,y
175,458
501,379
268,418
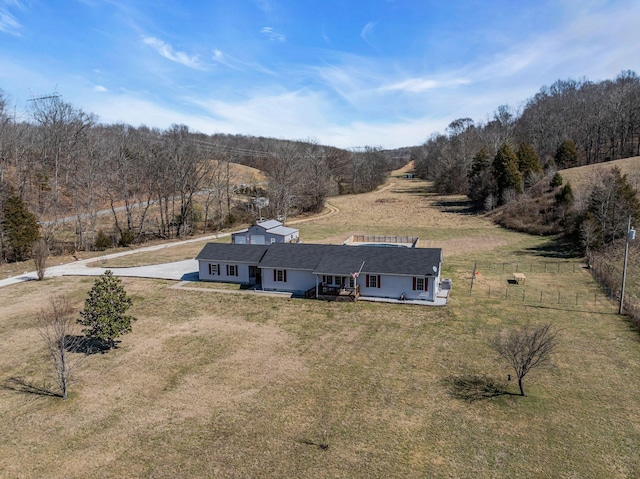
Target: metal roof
x,y
269,224
282,231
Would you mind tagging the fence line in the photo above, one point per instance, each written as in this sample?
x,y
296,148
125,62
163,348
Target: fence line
x,y
529,296
530,267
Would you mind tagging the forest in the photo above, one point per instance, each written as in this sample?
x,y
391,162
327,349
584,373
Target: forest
x,y
61,165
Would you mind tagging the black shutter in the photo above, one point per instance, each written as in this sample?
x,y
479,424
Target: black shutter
x,y
414,284
378,281
275,275
284,274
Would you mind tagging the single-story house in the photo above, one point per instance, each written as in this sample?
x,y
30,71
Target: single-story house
x,y
266,232
316,270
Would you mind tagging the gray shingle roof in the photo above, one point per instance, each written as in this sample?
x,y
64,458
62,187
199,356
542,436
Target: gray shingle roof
x,y
294,256
344,260
236,253
329,259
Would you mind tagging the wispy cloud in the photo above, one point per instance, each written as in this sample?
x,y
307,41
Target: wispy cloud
x,y
366,33
264,5
99,88
272,35
168,52
224,59
419,85
8,23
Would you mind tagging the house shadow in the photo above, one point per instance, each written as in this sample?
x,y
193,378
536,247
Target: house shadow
x,y
23,386
193,276
473,387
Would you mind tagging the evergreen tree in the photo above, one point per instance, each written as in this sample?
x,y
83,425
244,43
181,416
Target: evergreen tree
x,y
567,154
104,313
608,208
19,227
528,160
505,171
481,182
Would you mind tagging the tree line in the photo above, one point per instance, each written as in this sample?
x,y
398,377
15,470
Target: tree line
x,y
62,163
570,123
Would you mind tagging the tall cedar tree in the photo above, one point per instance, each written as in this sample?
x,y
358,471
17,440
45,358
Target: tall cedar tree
x,y
481,182
528,159
505,171
104,313
19,227
567,154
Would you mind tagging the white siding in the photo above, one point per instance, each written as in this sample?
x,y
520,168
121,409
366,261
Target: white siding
x,y
395,286
296,280
242,278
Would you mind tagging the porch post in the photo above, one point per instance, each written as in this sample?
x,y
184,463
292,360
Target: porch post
x,y
316,286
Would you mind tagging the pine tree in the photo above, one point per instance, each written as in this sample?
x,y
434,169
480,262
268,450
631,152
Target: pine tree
x,y
567,154
104,313
505,171
528,160
481,182
19,227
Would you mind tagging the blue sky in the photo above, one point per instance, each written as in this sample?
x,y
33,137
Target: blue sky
x,y
346,73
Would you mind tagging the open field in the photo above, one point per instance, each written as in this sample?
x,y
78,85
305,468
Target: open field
x,y
582,176
235,386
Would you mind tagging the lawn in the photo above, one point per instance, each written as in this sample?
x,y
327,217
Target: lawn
x,y
234,386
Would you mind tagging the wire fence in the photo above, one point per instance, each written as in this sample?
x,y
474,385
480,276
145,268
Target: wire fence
x,y
531,267
549,283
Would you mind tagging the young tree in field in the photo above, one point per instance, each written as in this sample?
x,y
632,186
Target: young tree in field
x,y
56,326
19,226
525,348
105,309
40,252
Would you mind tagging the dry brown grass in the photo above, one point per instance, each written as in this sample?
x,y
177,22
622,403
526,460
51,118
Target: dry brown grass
x,y
583,176
234,386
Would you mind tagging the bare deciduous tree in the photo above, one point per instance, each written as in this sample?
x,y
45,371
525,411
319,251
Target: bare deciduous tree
x,y
56,326
40,253
525,348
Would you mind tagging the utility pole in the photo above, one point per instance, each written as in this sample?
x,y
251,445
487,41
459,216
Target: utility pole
x,y
631,235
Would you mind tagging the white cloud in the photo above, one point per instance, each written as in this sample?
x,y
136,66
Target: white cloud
x,y
224,59
99,88
419,85
272,35
367,31
168,52
8,23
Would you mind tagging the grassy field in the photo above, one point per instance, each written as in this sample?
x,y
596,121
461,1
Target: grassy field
x,y
582,176
242,386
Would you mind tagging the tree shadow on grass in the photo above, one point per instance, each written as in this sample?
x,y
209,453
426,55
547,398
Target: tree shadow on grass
x,y
87,345
557,247
458,206
472,387
21,385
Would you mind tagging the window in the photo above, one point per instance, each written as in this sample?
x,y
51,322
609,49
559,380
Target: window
x,y
328,279
373,281
214,269
232,270
352,282
280,275
420,284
